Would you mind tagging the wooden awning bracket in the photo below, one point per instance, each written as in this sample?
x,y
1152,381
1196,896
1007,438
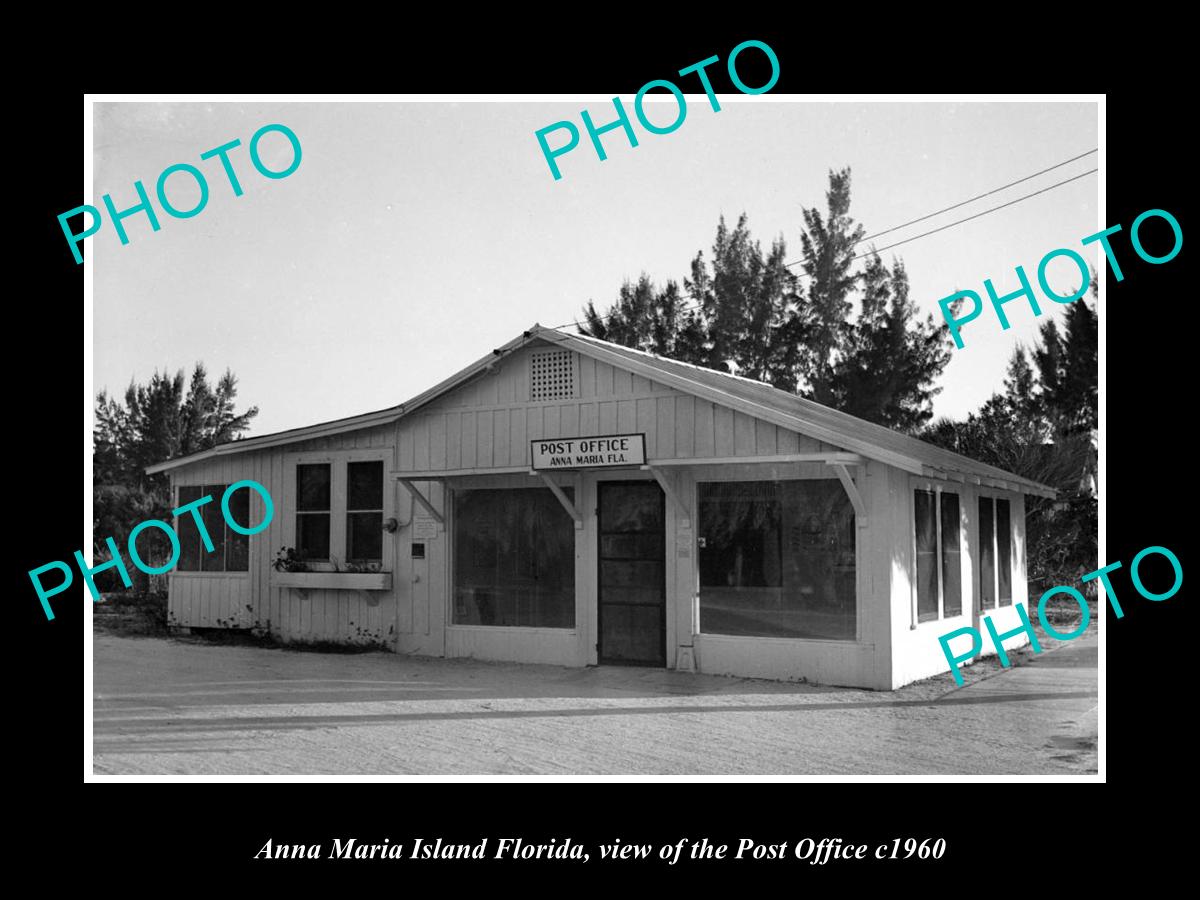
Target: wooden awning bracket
x,y
860,507
420,500
684,517
562,498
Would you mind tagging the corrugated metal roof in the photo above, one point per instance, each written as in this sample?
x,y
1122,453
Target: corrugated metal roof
x,y
752,397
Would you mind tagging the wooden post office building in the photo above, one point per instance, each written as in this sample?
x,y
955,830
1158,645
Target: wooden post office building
x,y
569,501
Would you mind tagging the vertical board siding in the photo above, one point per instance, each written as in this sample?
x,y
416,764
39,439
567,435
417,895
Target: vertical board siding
x,y
518,451
685,426
664,426
453,440
489,423
608,417
551,425
627,417
483,428
501,425
644,421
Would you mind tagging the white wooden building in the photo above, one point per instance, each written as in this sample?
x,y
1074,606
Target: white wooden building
x,y
569,501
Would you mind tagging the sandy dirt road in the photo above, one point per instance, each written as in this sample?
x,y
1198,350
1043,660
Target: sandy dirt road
x,y
166,706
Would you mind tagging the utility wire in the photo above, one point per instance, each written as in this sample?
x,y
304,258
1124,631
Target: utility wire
x,y
872,252
969,218
871,237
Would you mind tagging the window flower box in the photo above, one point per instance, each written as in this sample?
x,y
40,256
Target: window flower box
x,y
333,581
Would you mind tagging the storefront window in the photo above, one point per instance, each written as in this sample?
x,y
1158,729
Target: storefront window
x,y
777,559
514,559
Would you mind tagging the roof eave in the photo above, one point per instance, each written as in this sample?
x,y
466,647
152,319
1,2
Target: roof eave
x,y
351,423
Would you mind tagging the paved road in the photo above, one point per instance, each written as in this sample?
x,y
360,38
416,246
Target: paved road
x,y
174,707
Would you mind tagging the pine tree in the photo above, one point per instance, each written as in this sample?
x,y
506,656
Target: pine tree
x,y
827,258
646,318
889,358
750,316
744,303
1067,368
1021,391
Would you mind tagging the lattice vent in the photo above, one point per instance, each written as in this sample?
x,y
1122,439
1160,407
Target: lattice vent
x,y
552,375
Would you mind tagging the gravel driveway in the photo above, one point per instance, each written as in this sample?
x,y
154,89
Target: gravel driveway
x,y
167,706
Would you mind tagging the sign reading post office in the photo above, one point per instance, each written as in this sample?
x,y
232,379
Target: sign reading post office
x,y
589,452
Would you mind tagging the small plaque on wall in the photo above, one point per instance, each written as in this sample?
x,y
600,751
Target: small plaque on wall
x,y
683,544
425,530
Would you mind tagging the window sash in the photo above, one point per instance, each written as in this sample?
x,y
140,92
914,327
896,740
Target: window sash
x,y
987,553
314,504
367,516
928,583
950,556
367,546
937,547
996,552
1003,531
314,554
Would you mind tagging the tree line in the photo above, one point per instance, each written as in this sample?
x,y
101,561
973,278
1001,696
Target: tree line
x,y
843,331
745,310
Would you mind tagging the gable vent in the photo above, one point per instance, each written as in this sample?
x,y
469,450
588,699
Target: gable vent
x,y
552,375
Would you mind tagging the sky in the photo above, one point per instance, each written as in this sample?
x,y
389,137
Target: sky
x,y
416,236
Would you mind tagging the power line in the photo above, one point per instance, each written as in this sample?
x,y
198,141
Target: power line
x,y
871,237
872,252
976,216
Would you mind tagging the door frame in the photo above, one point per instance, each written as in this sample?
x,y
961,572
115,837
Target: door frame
x,y
662,498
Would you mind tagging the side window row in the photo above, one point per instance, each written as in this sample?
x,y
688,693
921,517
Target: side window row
x,y
938,525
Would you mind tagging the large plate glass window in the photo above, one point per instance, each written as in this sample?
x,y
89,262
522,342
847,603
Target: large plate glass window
x,y
514,559
777,559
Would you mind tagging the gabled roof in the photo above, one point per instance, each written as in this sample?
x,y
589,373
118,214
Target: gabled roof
x,y
743,394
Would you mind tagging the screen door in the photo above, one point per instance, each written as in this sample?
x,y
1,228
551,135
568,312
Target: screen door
x,y
633,591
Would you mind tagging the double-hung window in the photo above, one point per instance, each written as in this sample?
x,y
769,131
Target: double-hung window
x,y
938,523
995,553
313,517
364,511
339,511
